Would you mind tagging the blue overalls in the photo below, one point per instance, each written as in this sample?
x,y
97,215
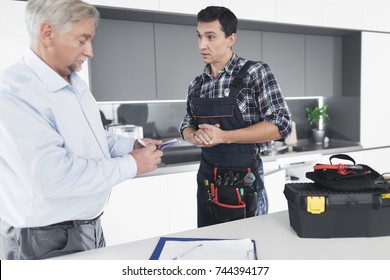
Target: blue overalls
x,y
226,113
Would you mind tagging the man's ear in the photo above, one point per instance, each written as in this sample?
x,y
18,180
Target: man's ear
x,y
46,33
232,39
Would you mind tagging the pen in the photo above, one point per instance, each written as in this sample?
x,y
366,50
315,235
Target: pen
x,y
187,252
142,142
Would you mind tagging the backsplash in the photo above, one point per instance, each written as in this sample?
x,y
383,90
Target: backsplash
x,y
159,120
162,119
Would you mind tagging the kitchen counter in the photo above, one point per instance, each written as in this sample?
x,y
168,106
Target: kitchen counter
x,y
275,240
186,157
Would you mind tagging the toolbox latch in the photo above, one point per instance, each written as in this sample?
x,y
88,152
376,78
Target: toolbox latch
x,y
315,204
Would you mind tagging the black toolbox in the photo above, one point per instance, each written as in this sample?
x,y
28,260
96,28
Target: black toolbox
x,y
316,212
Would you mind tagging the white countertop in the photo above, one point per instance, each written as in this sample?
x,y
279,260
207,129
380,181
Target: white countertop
x,y
275,240
336,146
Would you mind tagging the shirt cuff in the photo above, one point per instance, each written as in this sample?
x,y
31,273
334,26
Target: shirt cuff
x,y
125,146
127,167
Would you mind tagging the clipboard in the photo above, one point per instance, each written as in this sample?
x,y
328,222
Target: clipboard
x,y
163,241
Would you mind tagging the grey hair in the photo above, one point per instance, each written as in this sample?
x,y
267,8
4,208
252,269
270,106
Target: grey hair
x,y
60,13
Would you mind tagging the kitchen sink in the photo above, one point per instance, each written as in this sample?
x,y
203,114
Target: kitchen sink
x,y
290,149
281,150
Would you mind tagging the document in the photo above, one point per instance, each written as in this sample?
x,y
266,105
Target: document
x,y
204,249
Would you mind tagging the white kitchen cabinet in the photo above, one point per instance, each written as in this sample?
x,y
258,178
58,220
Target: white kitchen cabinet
x,y
137,209
181,201
187,7
376,15
134,4
264,10
150,206
306,12
351,14
274,184
342,14
375,88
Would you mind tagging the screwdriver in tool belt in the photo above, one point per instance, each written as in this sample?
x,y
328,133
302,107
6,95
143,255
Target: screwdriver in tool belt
x,y
234,179
228,176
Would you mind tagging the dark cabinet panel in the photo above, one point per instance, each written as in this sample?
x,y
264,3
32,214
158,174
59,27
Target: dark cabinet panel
x,y
177,59
248,44
123,66
285,54
323,66
156,61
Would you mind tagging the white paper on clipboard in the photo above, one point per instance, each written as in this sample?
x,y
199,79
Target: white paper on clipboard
x,y
224,249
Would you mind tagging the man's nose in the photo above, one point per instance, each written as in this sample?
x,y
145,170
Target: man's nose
x,y
202,44
88,51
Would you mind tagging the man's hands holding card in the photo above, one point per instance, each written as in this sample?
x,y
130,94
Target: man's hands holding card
x,y
148,152
160,146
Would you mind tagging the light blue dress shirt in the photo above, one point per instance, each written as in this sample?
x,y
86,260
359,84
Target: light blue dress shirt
x,y
57,163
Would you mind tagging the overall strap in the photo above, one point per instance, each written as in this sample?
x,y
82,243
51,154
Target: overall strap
x,y
197,87
239,77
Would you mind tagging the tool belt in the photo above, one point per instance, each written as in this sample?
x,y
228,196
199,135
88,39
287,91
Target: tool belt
x,y
231,194
347,177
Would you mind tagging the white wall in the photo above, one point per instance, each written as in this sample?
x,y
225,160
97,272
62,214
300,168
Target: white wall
x,y
13,34
14,37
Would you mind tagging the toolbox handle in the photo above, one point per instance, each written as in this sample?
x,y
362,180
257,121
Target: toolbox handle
x,y
342,156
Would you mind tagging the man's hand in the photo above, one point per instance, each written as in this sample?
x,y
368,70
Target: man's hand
x,y
141,143
147,158
208,135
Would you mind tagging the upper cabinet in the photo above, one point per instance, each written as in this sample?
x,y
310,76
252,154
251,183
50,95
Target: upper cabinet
x,y
285,54
376,15
323,66
307,12
153,56
249,44
177,59
262,10
342,14
133,4
368,15
123,66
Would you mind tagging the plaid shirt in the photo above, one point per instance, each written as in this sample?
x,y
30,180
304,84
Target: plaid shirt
x,y
260,98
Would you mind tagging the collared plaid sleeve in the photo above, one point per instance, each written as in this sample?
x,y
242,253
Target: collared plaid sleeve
x,y
270,101
188,120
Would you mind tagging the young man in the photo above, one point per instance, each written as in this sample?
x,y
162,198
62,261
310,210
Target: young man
x,y
57,163
231,120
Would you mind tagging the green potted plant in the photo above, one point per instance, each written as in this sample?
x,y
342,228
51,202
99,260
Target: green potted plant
x,y
317,118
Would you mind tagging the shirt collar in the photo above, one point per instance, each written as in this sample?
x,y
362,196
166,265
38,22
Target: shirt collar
x,y
228,68
52,81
